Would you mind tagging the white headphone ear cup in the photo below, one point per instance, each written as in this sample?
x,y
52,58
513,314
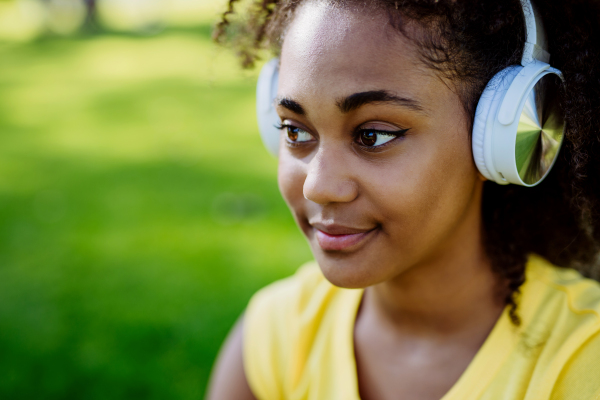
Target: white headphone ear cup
x,y
266,91
527,129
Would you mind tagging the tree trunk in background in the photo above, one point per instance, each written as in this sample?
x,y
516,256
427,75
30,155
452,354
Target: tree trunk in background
x,y
91,19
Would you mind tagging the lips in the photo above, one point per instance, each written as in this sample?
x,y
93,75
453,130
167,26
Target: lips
x,y
341,238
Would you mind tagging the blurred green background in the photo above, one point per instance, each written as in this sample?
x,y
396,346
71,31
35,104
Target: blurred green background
x,y
139,210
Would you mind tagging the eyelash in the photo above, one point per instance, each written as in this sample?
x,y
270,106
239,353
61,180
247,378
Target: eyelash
x,y
356,136
396,134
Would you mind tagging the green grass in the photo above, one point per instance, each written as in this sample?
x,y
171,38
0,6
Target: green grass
x,y
138,214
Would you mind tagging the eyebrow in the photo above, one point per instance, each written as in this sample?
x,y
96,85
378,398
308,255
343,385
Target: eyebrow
x,y
357,100
291,105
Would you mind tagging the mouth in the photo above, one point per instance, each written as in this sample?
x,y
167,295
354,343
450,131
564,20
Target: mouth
x,y
340,238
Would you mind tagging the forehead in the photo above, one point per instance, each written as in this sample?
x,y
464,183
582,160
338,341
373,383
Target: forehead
x,y
341,50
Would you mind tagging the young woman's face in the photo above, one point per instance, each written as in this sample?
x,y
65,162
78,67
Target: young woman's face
x,y
375,157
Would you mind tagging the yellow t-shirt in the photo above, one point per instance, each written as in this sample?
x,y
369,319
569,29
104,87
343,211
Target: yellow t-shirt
x,y
298,341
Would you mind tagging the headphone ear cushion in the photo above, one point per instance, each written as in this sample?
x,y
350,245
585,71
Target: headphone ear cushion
x,y
479,124
485,114
266,92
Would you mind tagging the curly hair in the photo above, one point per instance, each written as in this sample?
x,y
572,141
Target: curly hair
x,y
468,42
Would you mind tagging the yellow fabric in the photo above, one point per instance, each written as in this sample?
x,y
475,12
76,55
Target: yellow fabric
x,y
298,342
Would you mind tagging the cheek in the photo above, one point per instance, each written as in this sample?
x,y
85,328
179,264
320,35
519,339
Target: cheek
x,y
427,191
291,175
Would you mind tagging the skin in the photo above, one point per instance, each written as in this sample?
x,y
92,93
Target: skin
x,y
401,219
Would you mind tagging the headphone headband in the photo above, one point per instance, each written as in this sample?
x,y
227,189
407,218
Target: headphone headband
x,y
536,44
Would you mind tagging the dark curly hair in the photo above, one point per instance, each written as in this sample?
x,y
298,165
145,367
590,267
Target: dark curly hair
x,y
468,42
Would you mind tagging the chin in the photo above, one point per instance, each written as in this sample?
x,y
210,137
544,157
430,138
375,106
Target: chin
x,y
345,271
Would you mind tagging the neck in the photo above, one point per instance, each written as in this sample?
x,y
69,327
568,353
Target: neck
x,y
452,291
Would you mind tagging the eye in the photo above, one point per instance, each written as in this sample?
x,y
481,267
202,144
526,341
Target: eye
x,y
374,138
295,134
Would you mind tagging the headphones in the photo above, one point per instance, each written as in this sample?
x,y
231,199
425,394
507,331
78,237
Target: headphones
x,y
519,124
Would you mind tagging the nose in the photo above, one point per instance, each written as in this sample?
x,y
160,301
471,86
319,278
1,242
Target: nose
x,y
329,178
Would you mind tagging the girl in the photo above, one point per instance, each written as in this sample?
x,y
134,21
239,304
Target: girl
x,y
433,278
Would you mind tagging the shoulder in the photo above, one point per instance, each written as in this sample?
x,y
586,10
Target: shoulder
x,y
580,376
281,302
290,322
296,288
565,288
566,316
228,380
270,321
